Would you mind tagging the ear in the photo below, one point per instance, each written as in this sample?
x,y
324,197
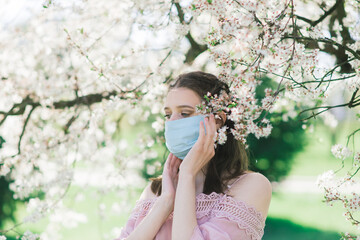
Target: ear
x,y
220,119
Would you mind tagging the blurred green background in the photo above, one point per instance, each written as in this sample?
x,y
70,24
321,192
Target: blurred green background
x,y
296,210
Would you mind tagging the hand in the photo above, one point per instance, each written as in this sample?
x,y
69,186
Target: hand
x,y
170,177
202,151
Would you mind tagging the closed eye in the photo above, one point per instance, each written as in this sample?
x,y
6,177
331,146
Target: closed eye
x,y
183,114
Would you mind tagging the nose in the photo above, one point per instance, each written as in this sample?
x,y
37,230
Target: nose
x,y
174,116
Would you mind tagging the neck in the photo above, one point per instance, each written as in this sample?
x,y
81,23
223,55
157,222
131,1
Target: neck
x,y
199,181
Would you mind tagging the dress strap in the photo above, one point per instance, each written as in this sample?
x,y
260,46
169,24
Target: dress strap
x,y
229,186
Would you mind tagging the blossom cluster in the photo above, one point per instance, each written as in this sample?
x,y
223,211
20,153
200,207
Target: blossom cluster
x,y
241,111
342,191
340,151
30,236
348,236
356,162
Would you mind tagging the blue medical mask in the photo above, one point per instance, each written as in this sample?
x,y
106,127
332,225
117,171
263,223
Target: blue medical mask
x,y
181,135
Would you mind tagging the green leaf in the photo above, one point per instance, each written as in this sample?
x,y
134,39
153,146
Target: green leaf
x,y
233,65
138,94
231,105
2,141
209,1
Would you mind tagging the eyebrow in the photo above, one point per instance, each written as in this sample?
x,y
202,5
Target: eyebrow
x,y
180,106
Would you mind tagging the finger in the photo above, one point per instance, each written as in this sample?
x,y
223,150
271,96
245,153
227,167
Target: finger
x,y
210,140
168,161
212,124
175,170
214,129
201,131
210,130
177,164
173,166
172,161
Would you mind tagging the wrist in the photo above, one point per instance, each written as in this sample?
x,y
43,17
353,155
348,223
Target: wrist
x,y
187,176
167,202
185,172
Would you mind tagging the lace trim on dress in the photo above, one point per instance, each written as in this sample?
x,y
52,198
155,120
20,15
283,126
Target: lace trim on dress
x,y
217,205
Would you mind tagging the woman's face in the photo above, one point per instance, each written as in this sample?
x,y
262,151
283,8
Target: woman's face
x,y
181,103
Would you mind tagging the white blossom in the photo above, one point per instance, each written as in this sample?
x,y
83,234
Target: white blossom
x,y
30,236
356,162
340,151
221,136
325,179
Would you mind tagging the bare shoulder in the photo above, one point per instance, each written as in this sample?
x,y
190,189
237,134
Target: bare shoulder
x,y
147,193
254,189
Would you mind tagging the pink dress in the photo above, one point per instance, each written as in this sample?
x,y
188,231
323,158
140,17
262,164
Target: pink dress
x,y
219,217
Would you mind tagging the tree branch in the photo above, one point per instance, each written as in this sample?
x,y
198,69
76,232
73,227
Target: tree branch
x,y
327,13
324,40
352,100
338,13
23,130
195,49
68,124
87,100
351,104
18,108
84,100
180,13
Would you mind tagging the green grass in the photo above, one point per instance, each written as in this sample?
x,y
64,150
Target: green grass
x,y
309,211
282,229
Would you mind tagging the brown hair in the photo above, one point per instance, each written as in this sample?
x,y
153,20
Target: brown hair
x,y
230,160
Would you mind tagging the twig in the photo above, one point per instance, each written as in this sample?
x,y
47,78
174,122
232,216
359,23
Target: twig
x,y
23,131
349,104
326,40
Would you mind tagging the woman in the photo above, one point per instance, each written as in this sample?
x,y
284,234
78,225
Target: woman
x,y
204,193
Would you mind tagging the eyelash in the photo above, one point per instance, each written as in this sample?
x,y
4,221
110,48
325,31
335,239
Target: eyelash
x,y
167,116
